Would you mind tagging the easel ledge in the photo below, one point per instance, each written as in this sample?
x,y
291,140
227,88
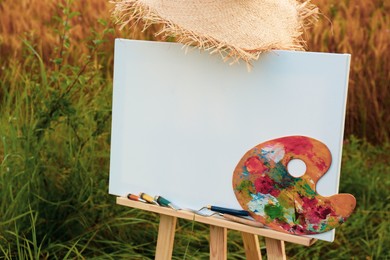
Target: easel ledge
x,y
218,228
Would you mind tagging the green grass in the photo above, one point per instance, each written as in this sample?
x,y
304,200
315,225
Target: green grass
x,y
54,165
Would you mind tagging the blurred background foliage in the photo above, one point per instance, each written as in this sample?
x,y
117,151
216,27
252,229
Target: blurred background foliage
x,y
56,64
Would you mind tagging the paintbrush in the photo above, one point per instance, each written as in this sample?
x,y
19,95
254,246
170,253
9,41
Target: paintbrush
x,y
208,213
166,203
234,212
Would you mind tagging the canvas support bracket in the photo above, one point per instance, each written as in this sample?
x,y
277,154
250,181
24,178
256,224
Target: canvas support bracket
x,y
218,234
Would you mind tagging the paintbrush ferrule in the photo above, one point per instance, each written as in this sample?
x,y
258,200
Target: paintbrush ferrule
x,y
173,206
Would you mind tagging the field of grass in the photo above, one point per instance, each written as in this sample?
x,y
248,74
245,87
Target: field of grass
x,y
55,116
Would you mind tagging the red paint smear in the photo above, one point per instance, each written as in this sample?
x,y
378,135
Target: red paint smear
x,y
299,229
314,212
286,226
298,145
323,212
265,185
321,165
296,229
254,165
275,192
309,203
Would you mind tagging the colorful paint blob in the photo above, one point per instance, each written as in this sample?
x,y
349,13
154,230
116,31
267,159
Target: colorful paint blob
x,y
264,187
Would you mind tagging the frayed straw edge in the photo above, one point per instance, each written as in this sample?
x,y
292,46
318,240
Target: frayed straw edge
x,y
127,11
307,15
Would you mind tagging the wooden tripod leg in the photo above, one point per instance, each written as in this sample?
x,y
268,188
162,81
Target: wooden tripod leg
x,y
166,237
252,246
218,243
275,249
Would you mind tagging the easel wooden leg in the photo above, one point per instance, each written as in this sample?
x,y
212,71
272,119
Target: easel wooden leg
x,y
166,237
218,243
252,246
275,249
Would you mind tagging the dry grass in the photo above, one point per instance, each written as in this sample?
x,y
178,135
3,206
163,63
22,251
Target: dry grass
x,y
37,21
361,28
357,27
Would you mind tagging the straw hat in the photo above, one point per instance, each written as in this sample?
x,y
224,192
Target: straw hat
x,y
237,29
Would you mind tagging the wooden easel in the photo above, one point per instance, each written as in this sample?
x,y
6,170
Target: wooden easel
x,y
218,234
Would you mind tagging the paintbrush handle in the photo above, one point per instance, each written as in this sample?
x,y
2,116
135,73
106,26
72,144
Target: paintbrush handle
x,y
234,212
243,220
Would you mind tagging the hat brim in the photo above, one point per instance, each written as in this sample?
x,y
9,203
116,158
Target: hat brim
x,y
232,29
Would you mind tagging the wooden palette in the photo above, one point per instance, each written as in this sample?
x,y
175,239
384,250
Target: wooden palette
x,y
264,187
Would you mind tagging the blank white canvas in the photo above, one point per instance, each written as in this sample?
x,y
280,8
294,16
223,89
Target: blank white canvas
x,y
182,121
